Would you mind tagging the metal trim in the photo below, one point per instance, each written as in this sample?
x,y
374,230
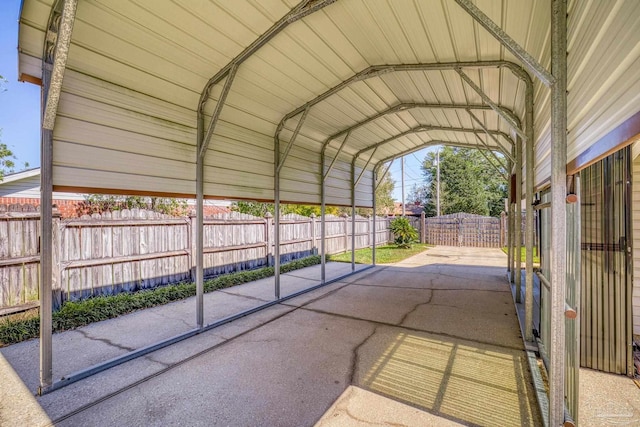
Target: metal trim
x,y
505,40
427,128
489,101
293,139
218,110
425,145
335,157
406,106
60,55
479,122
377,70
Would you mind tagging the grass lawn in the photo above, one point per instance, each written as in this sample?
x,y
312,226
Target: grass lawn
x,y
384,254
523,254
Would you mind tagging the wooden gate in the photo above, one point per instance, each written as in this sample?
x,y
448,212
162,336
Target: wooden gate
x,y
462,229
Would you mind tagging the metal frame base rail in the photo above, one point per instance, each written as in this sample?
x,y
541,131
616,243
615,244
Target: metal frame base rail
x,y
82,374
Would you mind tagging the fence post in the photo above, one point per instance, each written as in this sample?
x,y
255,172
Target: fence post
x,y
314,246
191,229
346,231
56,279
268,230
369,228
503,218
423,229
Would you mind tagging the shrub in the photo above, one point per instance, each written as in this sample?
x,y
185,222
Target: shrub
x,y
403,232
74,314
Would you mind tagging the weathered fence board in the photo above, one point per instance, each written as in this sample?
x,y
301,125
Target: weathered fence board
x,y
463,229
131,250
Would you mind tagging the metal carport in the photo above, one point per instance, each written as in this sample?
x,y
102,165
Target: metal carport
x,y
309,99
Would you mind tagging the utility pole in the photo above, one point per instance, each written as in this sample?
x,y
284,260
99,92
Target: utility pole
x,y
403,211
438,182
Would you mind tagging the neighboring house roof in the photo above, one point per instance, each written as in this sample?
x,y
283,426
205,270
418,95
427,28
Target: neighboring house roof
x,y
26,185
17,176
409,209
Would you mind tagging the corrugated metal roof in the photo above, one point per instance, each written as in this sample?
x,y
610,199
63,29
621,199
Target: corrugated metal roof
x,y
128,111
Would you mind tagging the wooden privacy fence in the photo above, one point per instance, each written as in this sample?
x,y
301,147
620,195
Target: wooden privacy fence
x,y
462,229
134,249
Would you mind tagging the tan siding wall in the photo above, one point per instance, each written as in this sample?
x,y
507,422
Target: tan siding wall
x,y
603,77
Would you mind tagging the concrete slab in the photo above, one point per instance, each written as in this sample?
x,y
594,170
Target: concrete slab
x,y
358,407
369,345
608,399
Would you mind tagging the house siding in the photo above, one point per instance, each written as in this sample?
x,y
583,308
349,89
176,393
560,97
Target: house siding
x,y
635,214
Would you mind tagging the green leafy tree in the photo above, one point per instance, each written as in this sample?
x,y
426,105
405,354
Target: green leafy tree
x,y
260,209
253,208
384,196
468,183
384,205
403,232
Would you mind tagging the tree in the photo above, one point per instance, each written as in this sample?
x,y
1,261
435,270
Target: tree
x,y
98,203
260,209
384,197
418,194
384,205
468,183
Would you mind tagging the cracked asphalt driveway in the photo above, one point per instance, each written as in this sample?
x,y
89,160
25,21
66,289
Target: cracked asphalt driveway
x,y
433,340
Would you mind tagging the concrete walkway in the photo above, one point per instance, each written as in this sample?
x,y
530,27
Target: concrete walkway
x,y
433,341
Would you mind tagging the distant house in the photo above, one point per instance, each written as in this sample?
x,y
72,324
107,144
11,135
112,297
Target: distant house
x,y
410,209
23,188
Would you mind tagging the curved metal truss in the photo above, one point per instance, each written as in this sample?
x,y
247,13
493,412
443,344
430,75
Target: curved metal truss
x,y
54,59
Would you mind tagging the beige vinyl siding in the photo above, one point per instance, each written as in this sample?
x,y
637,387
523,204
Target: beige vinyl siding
x,y
24,188
636,237
603,77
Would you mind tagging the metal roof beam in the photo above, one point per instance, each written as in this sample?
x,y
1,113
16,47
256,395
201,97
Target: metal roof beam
x,y
426,128
429,144
479,122
216,113
494,156
510,44
405,106
377,70
335,158
493,105
497,168
64,27
302,9
386,171
293,139
364,168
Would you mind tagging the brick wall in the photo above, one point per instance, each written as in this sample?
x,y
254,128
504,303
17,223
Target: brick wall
x,y
67,208
70,208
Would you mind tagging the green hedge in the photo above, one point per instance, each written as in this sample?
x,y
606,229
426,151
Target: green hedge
x,y
74,314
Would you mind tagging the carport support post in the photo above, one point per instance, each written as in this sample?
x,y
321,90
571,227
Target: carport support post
x,y
353,214
374,186
276,218
518,220
323,224
528,297
558,210
52,77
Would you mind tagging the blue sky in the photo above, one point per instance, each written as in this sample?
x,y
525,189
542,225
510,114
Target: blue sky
x,y
20,108
20,102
